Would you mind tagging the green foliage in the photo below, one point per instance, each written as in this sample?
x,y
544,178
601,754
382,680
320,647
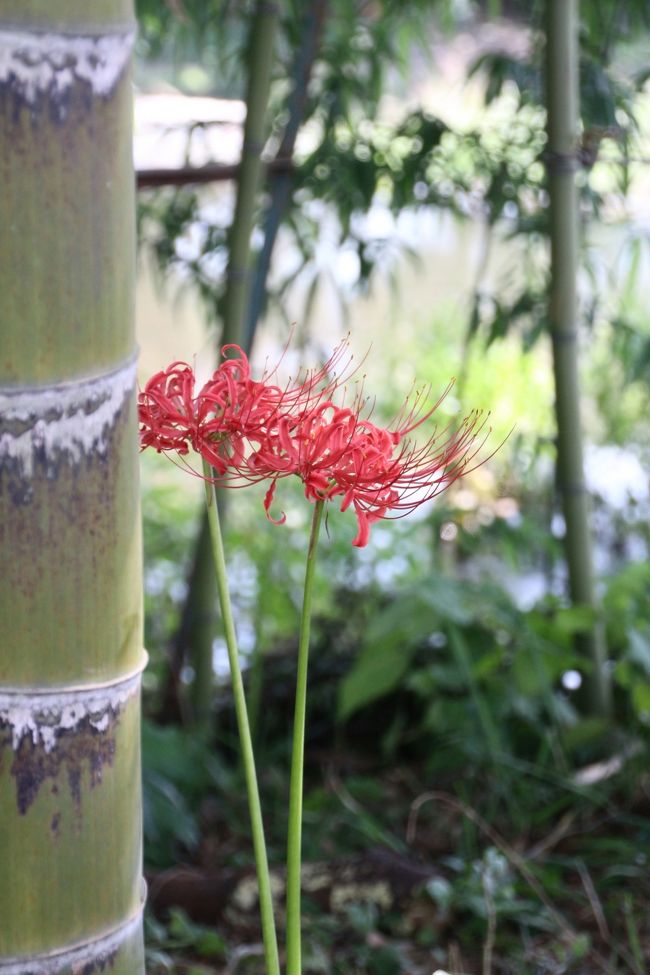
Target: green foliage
x,y
489,884
439,673
393,636
626,606
178,771
180,935
211,35
357,51
494,170
488,677
481,712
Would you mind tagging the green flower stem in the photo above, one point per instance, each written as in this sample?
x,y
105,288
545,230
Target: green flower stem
x,y
294,964
248,759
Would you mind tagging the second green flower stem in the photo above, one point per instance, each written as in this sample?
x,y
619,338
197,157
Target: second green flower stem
x,y
246,744
294,845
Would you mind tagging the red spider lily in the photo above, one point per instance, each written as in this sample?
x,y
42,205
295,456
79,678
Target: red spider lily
x,y
166,409
256,431
172,418
378,472
230,411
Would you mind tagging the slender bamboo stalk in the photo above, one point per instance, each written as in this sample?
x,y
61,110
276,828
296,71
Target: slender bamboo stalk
x,y
256,680
294,846
262,43
280,186
245,741
199,622
202,612
282,176
562,98
191,629
261,50
70,569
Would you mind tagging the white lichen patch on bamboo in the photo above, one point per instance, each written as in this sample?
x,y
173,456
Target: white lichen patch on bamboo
x,y
61,423
45,716
36,64
88,957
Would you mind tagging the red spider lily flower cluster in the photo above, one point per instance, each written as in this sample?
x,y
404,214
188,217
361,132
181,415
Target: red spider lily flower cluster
x,y
251,431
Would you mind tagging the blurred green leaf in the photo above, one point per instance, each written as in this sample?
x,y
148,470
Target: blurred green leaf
x,y
639,649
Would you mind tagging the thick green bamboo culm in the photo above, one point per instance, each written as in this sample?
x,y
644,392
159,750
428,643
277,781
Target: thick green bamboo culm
x,y
562,103
260,60
71,893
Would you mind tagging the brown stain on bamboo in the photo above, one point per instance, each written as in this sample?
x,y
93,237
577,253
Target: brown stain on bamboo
x,y
79,750
101,964
58,106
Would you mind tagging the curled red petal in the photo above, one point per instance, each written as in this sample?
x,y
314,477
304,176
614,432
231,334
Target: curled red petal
x,y
360,540
268,501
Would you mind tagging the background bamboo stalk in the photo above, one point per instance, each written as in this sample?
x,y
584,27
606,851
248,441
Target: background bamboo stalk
x,y
280,187
282,176
562,99
70,571
261,51
260,60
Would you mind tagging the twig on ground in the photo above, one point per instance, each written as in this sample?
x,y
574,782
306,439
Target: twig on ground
x,y
556,836
636,959
594,901
334,782
631,958
490,938
456,964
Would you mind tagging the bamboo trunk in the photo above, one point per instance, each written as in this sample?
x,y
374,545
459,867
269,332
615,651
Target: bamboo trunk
x,y
71,892
562,98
